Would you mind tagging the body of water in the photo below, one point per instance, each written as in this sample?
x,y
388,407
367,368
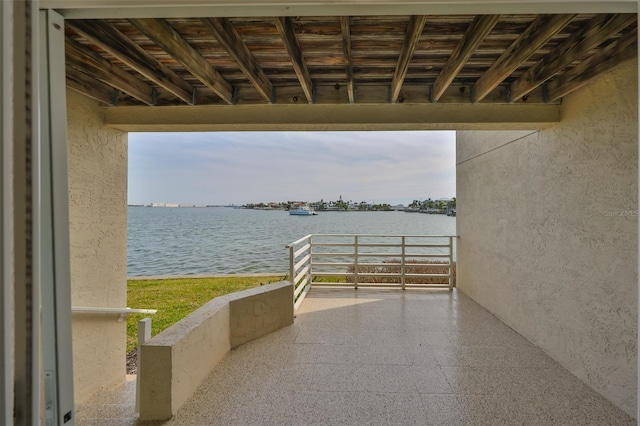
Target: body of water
x,y
217,240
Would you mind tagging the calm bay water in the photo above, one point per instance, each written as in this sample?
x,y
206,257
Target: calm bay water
x,y
217,240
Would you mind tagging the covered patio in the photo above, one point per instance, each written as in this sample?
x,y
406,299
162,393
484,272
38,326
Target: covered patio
x,y
543,97
385,357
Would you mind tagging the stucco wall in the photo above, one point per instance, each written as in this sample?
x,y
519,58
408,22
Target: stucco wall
x,y
97,158
548,232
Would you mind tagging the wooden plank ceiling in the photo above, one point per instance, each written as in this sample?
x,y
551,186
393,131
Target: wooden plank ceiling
x,y
355,59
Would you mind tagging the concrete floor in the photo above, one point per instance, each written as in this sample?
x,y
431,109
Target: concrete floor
x,y
391,358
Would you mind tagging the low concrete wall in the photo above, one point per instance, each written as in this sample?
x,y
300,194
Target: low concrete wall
x,y
175,362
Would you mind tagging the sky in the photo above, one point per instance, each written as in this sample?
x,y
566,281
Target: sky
x,y
238,168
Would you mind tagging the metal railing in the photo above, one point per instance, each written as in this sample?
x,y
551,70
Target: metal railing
x,y
121,312
400,261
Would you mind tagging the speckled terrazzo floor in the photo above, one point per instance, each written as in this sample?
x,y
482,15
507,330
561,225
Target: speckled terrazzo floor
x,y
393,358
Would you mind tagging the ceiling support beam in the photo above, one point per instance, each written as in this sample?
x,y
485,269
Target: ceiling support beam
x,y
597,31
117,44
89,86
77,9
229,38
358,116
414,31
101,69
348,59
285,28
533,38
614,54
475,34
161,33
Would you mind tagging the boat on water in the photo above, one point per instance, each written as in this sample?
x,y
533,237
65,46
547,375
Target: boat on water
x,y
302,211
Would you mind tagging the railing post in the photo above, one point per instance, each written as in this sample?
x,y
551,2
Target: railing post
x,y
310,273
402,263
292,265
355,262
144,334
450,263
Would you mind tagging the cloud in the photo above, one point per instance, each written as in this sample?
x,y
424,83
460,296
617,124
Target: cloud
x,y
221,168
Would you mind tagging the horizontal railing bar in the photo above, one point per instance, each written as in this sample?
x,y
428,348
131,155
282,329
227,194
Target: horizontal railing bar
x,y
379,274
332,254
333,274
301,287
427,285
301,250
386,285
379,245
302,261
382,236
380,254
298,241
331,264
298,302
425,275
407,255
442,246
117,311
314,244
301,274
410,255
427,245
320,284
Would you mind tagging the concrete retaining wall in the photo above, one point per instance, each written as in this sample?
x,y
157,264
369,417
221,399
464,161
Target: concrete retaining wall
x,y
175,362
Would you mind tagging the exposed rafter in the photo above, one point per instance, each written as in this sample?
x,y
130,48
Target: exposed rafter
x,y
414,31
336,60
533,38
91,87
285,28
348,59
475,34
101,69
614,54
161,33
575,46
117,44
229,38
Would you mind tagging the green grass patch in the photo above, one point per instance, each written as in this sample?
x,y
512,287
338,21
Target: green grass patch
x,y
176,298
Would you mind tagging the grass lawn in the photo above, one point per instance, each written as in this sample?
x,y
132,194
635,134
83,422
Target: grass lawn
x,y
176,298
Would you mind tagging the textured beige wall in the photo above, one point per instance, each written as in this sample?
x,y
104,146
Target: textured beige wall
x,y
548,232
97,158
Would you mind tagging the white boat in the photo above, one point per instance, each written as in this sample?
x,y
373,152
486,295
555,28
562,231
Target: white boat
x,y
302,211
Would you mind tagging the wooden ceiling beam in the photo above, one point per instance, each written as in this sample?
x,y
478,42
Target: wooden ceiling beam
x,y
89,86
161,33
533,38
112,41
285,28
103,70
475,34
345,26
614,54
414,31
226,34
591,35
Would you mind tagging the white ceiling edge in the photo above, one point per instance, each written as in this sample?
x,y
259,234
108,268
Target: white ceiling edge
x,y
93,9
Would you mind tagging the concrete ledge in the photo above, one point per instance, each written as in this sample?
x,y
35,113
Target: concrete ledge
x,y
175,362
